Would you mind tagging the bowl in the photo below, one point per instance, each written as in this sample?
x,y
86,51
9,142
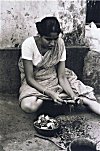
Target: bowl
x,y
47,126
82,144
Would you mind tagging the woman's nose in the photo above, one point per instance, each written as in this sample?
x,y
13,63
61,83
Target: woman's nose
x,y
51,43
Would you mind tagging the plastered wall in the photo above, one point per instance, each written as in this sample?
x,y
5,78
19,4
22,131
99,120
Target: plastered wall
x,y
17,19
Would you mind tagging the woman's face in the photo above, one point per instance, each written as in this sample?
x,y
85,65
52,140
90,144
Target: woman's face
x,y
49,42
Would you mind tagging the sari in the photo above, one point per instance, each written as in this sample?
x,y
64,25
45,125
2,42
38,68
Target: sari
x,y
45,73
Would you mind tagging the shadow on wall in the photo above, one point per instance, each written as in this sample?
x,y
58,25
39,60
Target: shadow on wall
x,y
9,72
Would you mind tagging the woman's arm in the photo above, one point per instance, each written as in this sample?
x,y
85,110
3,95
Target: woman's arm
x,y
63,80
28,68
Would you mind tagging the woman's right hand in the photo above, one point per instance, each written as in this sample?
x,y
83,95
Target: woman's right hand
x,y
55,96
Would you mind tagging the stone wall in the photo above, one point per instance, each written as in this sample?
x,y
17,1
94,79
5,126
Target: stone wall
x,y
18,19
91,70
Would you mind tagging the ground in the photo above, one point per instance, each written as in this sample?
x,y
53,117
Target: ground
x,y
17,131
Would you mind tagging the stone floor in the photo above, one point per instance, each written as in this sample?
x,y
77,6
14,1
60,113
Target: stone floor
x,y
17,131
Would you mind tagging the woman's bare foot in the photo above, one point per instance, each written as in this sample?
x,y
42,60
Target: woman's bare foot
x,y
93,105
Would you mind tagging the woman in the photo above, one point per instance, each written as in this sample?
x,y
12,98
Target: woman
x,y
43,73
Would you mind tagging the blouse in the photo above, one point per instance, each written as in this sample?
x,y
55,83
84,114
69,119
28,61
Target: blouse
x,y
29,51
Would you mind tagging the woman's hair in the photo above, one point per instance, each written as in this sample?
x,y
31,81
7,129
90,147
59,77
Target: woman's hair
x,y
48,25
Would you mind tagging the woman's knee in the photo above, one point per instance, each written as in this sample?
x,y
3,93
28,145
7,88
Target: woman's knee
x,y
31,105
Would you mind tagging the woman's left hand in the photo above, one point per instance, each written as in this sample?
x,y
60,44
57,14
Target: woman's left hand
x,y
56,97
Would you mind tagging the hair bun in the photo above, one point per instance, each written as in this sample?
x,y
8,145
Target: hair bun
x,y
39,27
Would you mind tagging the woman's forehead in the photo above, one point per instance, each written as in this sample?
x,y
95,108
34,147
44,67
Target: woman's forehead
x,y
52,36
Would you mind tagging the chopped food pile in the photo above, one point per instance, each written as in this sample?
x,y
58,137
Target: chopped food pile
x,y
46,122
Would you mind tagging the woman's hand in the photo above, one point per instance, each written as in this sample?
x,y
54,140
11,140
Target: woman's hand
x,y
56,97
78,100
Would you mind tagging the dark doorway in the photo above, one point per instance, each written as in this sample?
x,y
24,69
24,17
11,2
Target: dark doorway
x,y
93,12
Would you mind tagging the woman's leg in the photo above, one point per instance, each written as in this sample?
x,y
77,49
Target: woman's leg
x,y
93,105
31,104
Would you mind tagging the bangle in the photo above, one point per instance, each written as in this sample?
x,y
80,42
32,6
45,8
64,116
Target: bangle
x,y
44,91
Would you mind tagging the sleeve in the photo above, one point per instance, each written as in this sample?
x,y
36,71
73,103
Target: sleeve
x,y
63,57
27,49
